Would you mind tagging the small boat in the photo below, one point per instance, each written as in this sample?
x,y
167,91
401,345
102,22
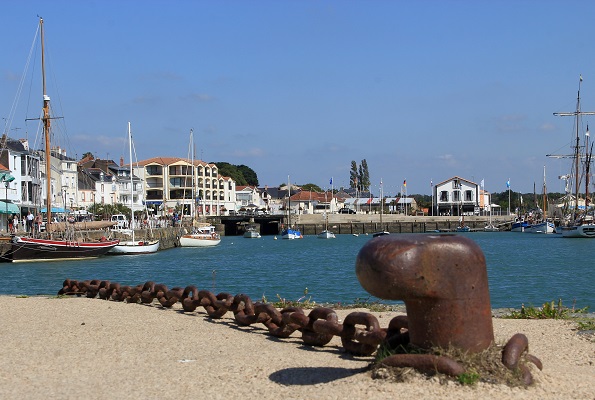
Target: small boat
x,y
134,246
490,227
289,233
202,236
67,246
462,227
519,225
381,233
251,233
326,234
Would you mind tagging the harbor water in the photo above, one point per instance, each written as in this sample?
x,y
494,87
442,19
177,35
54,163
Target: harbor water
x,y
523,268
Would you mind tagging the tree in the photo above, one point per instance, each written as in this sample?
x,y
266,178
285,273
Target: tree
x,y
311,187
353,176
365,175
241,174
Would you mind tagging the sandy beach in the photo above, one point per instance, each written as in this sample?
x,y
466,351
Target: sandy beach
x,y
68,348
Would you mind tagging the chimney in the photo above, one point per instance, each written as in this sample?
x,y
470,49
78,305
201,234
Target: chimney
x,y
121,161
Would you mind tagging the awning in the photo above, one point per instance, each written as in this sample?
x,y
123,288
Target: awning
x,y
54,210
8,208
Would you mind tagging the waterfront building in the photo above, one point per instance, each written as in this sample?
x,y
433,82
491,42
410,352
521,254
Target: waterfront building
x,y
456,196
174,184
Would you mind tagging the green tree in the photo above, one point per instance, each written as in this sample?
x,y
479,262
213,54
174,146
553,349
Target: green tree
x,y
365,175
311,187
249,175
353,176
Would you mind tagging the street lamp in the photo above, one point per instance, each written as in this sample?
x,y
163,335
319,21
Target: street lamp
x,y
6,178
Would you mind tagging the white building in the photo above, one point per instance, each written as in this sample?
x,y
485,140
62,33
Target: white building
x,y
456,196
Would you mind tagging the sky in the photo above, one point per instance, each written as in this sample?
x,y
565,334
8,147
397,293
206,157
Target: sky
x,y
422,90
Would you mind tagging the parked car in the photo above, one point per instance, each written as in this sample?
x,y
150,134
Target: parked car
x,y
346,210
121,220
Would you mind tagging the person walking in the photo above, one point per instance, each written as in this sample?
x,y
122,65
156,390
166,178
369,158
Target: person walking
x,y
11,224
29,220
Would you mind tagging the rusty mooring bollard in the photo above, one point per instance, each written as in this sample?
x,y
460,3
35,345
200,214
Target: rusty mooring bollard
x,y
442,279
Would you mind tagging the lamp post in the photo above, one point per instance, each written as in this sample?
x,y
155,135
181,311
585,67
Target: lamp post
x,y
6,183
6,178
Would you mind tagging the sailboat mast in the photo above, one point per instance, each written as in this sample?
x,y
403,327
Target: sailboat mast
x,y
576,151
131,182
46,130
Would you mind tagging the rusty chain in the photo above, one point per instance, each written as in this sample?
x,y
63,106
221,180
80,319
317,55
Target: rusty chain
x,y
360,332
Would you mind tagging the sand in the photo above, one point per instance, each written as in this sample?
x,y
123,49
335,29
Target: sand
x,y
71,348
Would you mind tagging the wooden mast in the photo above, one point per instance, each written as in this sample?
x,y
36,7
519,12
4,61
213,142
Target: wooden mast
x,y
46,131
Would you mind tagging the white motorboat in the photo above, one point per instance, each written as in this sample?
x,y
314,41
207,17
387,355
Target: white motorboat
x,y
201,236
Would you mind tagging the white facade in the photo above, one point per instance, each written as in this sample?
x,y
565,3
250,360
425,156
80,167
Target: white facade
x,y
456,196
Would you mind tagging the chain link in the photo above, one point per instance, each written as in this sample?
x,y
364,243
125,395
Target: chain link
x,y
360,332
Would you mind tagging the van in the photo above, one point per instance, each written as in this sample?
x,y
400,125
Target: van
x,y
121,221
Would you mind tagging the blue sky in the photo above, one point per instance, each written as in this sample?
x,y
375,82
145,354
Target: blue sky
x,y
422,90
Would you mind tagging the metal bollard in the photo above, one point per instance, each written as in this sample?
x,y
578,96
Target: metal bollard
x,y
442,279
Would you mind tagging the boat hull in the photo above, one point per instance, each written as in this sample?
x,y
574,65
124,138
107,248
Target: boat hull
x,y
251,234
291,234
30,249
579,231
519,226
543,227
199,240
136,247
326,235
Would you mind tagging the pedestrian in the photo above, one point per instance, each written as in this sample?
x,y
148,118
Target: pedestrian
x,y
11,223
37,222
29,222
15,223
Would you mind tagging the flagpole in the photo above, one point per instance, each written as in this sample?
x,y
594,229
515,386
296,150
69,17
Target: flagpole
x,y
508,184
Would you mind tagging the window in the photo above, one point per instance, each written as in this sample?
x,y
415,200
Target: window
x,y
444,195
468,195
456,184
154,170
456,195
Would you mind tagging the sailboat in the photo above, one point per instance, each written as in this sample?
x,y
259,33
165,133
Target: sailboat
x,y
289,232
68,246
539,222
203,234
251,232
382,232
134,246
490,227
326,234
580,225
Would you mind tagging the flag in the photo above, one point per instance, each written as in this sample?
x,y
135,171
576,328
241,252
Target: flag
x,y
581,77
380,181
521,199
508,183
481,183
431,183
331,181
405,183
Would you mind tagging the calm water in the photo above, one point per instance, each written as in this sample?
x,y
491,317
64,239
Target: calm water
x,y
522,268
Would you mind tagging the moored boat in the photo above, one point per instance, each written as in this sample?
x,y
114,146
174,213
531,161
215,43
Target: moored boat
x,y
134,246
251,233
68,244
289,233
326,234
580,223
201,236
